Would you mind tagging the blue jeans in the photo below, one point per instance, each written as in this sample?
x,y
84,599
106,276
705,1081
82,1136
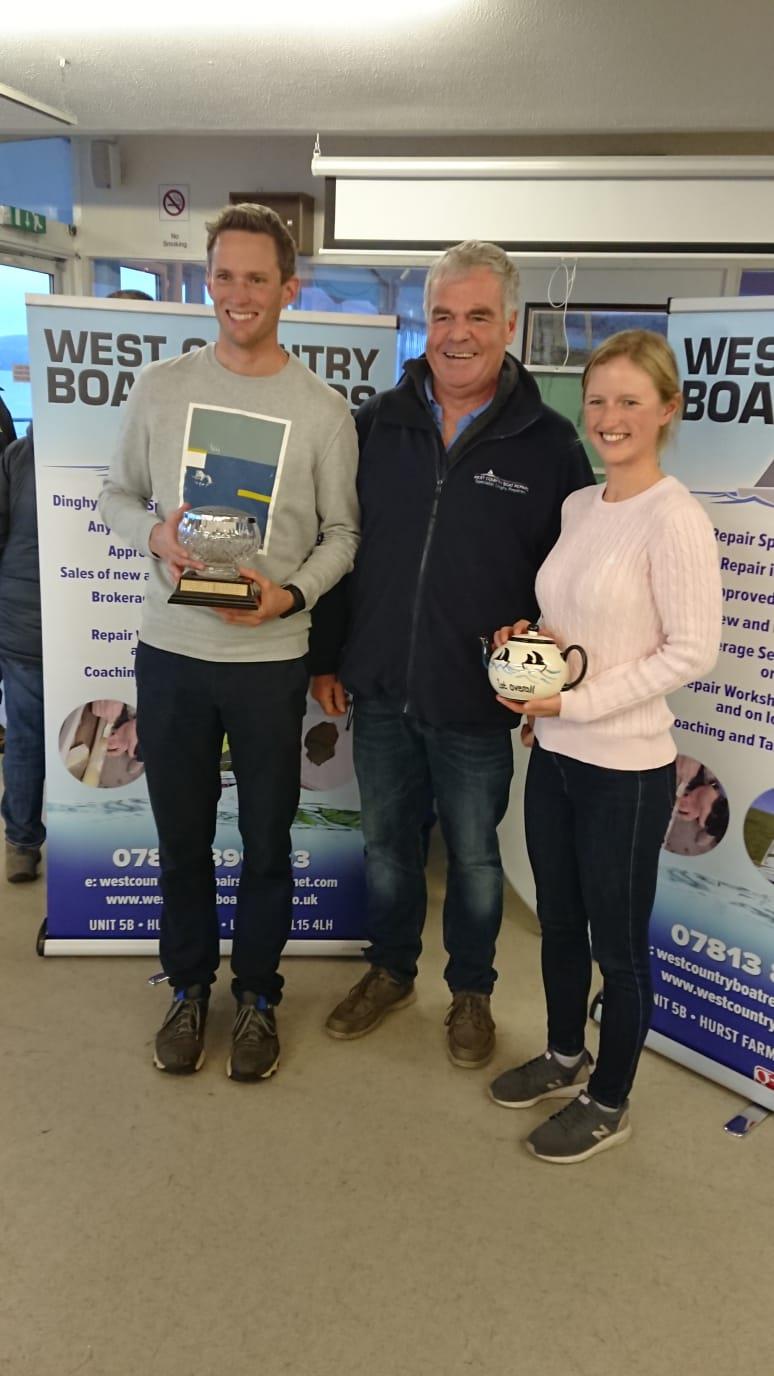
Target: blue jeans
x,y
184,708
594,836
401,765
24,762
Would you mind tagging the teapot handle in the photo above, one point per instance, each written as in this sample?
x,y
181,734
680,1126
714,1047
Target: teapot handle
x,y
584,666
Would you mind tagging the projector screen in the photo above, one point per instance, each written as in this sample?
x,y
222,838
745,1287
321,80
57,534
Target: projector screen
x,y
583,214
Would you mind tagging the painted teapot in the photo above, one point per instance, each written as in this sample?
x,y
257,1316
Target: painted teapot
x,y
530,666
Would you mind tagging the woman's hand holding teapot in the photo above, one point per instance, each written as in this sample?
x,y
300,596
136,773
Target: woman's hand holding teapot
x,y
536,707
527,669
504,634
547,707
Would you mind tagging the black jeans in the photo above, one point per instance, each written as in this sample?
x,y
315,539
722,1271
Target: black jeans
x,y
594,837
184,707
402,763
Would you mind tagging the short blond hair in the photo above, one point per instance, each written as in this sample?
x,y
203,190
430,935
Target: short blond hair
x,y
649,351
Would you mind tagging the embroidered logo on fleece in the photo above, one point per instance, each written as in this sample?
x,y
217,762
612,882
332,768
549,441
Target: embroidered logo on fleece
x,y
491,479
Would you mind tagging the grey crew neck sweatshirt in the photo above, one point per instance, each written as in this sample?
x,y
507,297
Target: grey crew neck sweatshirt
x,y
314,515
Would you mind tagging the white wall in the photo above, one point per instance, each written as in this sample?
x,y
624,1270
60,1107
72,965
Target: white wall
x,y
124,222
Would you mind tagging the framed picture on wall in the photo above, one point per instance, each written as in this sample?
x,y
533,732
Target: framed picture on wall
x,y
547,346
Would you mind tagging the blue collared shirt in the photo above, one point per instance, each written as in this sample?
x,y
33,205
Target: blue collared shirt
x,y
462,423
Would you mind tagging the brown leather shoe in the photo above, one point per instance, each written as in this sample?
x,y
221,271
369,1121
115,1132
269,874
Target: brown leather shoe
x,y
367,1004
470,1030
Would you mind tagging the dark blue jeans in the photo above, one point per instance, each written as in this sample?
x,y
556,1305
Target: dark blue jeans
x,y
184,707
594,837
401,765
24,762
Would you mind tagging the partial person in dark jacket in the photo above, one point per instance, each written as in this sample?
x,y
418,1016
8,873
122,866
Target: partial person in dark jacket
x,y
7,427
463,472
24,767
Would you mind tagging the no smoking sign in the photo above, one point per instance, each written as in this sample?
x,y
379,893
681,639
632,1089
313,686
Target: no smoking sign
x,y
173,202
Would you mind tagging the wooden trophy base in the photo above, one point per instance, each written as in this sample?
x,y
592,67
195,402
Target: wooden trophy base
x,y
201,590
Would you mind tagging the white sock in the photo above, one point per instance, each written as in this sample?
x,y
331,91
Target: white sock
x,y
605,1108
565,1061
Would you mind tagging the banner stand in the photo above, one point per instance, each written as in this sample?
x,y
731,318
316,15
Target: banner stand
x,y
110,946
742,1122
102,858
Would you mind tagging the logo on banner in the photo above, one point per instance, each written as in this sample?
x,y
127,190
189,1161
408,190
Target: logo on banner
x,y
727,383
763,1076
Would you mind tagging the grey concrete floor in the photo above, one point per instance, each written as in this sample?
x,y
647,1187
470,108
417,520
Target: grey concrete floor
x,y
368,1210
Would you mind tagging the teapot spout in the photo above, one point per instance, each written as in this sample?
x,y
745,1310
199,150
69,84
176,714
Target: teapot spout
x,y
486,649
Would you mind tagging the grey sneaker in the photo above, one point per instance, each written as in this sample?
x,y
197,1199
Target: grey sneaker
x,y
179,1045
579,1131
368,1003
254,1041
470,1030
21,863
541,1078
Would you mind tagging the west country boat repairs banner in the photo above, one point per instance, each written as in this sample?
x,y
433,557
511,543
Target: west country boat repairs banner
x,y
102,860
712,931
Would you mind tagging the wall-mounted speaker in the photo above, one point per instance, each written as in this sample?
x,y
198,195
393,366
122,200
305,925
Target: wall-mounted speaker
x,y
105,164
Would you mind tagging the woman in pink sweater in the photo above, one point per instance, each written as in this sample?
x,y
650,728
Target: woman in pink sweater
x,y
634,578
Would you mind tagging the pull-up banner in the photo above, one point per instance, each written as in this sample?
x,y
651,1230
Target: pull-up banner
x,y
102,857
712,932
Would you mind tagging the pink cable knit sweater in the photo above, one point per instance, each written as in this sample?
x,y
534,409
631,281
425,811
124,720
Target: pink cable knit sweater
x,y
637,584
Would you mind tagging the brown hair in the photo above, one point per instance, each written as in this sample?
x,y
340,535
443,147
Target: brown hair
x,y
649,351
256,219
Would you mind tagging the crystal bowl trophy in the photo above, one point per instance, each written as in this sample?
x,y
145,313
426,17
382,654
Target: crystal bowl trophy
x,y
222,540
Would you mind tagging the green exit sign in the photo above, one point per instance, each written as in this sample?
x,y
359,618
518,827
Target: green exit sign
x,y
28,221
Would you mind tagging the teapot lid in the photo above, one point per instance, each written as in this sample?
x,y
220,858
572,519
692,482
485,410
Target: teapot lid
x,y
532,636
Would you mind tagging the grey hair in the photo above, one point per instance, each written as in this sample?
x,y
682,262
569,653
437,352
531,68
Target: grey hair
x,y
473,253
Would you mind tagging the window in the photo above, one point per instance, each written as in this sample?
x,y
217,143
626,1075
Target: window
x,y
110,276
325,287
369,291
547,346
15,282
37,174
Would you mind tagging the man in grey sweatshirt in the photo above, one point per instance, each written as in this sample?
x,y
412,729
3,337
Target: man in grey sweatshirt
x,y
202,672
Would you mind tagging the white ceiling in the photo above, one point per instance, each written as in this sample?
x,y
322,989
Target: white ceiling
x,y
483,67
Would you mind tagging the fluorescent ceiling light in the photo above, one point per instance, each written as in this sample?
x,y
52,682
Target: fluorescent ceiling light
x,y
146,16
